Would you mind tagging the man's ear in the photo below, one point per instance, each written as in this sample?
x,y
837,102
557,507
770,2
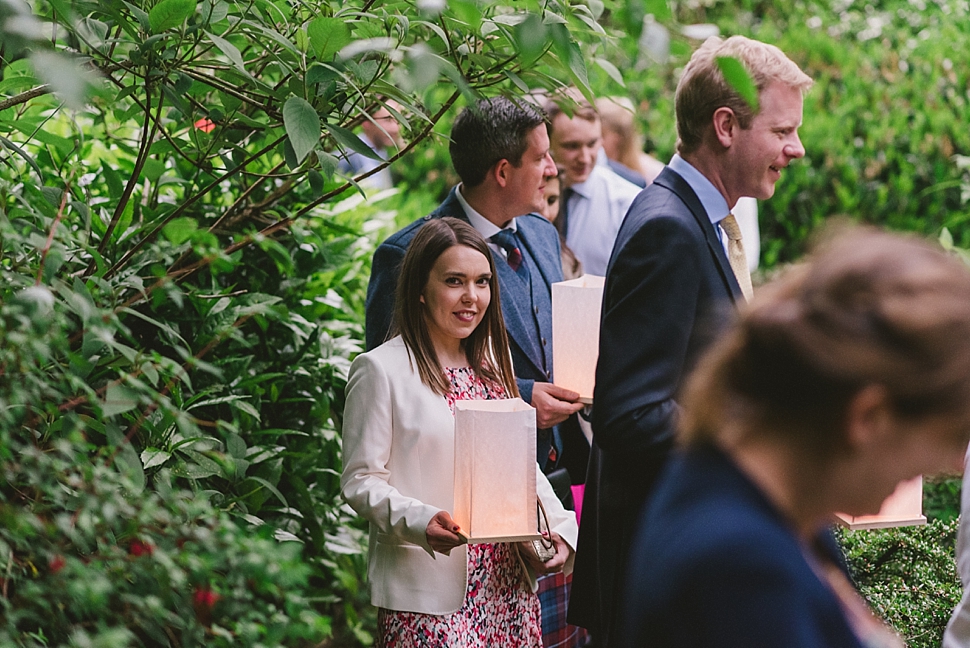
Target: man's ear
x,y
500,172
725,126
868,417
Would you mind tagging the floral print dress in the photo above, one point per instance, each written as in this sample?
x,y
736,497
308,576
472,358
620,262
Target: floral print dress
x,y
499,609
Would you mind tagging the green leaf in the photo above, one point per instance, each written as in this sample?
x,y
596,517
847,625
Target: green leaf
x,y
4,142
739,79
152,457
610,69
231,52
328,164
180,230
530,36
119,398
347,139
170,13
328,36
268,486
316,182
126,459
153,169
572,58
140,15
302,126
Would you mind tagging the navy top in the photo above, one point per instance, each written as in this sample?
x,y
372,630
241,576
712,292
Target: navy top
x,y
715,565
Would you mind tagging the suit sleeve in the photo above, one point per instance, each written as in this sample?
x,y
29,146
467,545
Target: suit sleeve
x,y
649,313
368,432
379,309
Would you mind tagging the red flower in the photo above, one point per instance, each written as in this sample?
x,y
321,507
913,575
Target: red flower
x,y
203,600
56,564
137,548
205,125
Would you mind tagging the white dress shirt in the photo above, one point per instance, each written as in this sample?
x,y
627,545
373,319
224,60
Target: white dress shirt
x,y
745,212
485,227
595,211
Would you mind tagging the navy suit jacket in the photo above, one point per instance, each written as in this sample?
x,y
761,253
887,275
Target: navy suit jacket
x,y
669,293
715,565
531,352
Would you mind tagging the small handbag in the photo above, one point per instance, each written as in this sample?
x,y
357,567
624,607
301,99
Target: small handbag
x,y
545,547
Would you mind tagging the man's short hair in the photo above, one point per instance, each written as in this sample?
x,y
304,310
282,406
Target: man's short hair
x,y
575,102
702,88
494,129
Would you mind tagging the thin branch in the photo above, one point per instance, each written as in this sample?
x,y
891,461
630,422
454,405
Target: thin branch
x,y
24,97
50,235
148,135
41,90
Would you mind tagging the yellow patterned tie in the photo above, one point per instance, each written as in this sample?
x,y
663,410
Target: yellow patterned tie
x,y
736,256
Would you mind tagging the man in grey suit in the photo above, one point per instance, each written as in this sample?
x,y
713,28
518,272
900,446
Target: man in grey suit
x,y
676,274
500,150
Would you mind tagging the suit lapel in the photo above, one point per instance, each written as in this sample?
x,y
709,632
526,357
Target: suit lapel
x,y
517,311
672,180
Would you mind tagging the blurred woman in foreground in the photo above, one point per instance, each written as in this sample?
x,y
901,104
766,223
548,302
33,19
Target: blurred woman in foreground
x,y
845,377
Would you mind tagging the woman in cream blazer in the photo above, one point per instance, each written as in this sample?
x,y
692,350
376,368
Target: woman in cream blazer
x,y
398,432
399,469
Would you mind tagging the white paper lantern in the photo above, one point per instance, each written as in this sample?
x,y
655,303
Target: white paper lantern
x,y
495,470
903,508
576,308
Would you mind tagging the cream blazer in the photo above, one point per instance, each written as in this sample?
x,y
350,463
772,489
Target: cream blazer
x,y
399,471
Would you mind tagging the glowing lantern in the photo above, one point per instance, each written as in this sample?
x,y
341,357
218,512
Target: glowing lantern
x,y
576,308
903,508
495,470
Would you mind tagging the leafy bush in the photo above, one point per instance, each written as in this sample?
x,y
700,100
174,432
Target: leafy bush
x,y
182,276
909,577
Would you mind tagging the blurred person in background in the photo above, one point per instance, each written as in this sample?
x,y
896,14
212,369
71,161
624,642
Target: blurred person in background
x,y
594,198
622,141
382,133
842,379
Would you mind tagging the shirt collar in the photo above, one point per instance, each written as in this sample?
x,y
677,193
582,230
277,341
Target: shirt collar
x,y
711,199
484,226
585,188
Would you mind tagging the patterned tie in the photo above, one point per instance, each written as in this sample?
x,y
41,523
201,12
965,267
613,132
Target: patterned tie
x,y
736,256
508,241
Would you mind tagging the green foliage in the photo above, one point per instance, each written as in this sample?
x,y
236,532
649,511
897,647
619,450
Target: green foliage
x,y
182,282
908,575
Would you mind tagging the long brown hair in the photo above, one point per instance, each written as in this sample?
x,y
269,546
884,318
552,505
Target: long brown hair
x,y
487,348
870,308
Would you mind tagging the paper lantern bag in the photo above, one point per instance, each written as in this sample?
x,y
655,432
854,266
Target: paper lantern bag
x,y
903,508
576,308
495,470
